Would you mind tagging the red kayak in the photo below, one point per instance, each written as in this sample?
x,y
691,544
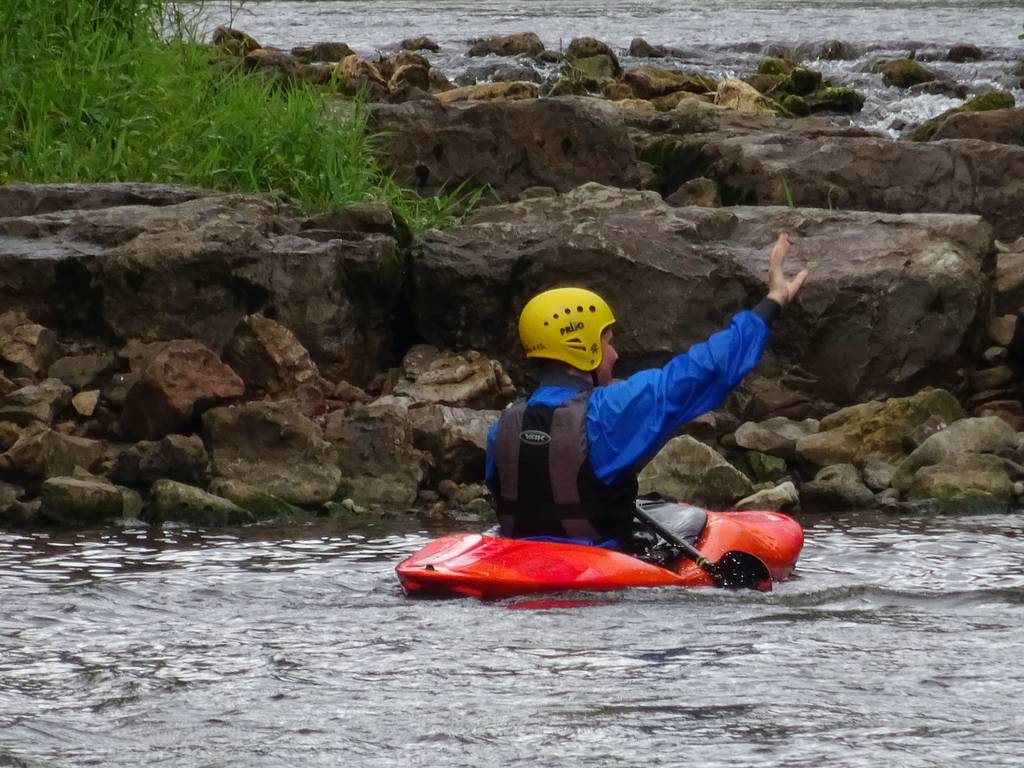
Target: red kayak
x,y
491,567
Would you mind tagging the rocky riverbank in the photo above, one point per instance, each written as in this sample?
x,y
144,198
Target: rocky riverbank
x,y
178,354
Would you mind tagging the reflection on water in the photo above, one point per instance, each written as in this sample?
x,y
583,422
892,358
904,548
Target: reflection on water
x,y
897,645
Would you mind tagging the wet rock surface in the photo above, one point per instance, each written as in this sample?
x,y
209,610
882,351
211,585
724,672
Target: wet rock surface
x,y
183,355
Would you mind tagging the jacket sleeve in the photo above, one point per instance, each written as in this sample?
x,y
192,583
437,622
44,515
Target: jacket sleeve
x,y
628,421
489,465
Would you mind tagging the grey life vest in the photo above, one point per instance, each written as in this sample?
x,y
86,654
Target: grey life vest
x,y
545,485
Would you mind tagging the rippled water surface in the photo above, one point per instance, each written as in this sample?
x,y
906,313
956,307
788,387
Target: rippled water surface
x,y
720,38
899,644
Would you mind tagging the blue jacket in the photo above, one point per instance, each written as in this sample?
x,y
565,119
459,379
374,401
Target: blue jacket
x,y
628,421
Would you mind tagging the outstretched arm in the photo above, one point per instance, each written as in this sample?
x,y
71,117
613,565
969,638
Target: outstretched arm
x,y
630,420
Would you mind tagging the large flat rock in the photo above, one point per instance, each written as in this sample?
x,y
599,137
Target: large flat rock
x,y
891,302
190,266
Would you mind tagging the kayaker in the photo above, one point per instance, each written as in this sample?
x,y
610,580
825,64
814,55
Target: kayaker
x,y
563,463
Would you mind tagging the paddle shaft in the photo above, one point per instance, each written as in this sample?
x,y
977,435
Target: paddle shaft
x,y
734,569
671,537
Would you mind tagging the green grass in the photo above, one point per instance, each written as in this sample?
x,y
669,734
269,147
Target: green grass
x,y
90,92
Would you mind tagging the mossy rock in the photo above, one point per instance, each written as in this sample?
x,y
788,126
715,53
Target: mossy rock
x,y
802,81
983,102
234,42
263,505
796,106
564,86
989,100
671,101
765,83
744,98
169,500
978,482
676,161
617,91
903,73
836,99
875,430
582,48
653,82
592,69
776,67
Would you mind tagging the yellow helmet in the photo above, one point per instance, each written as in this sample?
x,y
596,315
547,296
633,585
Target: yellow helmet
x,y
565,324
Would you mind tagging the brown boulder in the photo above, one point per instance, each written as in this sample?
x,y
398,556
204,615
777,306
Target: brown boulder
x,y
378,462
508,146
234,42
177,457
40,452
77,501
36,402
903,73
409,76
855,172
1002,126
355,74
26,344
322,52
268,357
490,92
651,82
877,275
421,43
181,381
82,371
526,43
589,47
468,380
455,438
964,52
194,269
273,447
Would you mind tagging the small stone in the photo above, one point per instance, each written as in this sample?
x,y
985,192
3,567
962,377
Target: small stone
x,y
990,396
996,355
1001,328
82,371
991,378
779,498
878,474
1018,488
447,489
84,403
74,501
701,192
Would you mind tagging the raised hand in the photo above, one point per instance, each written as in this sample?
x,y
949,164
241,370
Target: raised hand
x,y
781,290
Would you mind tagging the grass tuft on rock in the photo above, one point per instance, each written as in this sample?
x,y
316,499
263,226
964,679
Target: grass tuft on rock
x,y
92,92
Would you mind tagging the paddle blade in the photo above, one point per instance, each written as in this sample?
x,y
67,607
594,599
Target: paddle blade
x,y
741,570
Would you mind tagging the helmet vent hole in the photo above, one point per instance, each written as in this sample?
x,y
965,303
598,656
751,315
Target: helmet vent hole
x,y
593,308
579,309
567,311
555,316
545,322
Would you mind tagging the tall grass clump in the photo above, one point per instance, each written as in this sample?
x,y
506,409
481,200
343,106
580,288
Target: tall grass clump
x,y
99,90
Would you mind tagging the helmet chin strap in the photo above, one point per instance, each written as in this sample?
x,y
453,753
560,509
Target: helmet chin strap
x,y
593,378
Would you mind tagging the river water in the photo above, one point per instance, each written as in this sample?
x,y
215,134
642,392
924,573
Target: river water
x,y
899,644
717,37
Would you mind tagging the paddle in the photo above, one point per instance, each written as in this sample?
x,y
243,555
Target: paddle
x,y
736,570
